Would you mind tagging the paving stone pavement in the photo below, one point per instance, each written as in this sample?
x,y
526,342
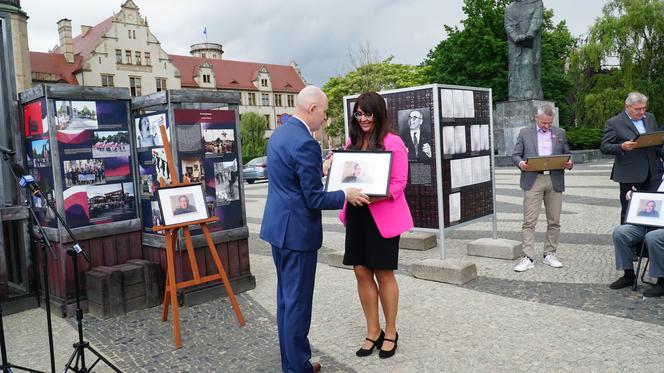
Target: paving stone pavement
x,y
545,319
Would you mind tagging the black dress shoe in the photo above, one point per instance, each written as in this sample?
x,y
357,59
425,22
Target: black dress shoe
x,y
377,343
655,291
385,354
622,282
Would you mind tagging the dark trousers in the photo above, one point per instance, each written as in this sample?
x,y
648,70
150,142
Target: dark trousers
x,y
296,271
624,187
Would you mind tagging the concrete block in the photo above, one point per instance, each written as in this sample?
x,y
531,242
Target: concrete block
x,y
498,248
335,259
449,271
417,241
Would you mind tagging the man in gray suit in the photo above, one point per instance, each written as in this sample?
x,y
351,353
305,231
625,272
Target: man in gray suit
x,y
541,140
632,168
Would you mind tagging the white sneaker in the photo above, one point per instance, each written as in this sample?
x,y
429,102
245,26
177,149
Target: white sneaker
x,y
552,261
524,265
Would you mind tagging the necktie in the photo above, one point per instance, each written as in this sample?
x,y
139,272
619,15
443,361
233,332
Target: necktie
x,y
415,143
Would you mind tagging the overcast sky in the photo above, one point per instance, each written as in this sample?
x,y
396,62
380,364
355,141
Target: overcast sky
x,y
316,34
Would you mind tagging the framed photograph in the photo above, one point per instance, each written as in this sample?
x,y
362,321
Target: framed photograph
x,y
646,209
366,170
182,204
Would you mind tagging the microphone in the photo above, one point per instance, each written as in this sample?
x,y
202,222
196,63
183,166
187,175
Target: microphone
x,y
25,179
6,150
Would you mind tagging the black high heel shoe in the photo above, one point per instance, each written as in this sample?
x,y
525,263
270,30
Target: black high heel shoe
x,y
377,343
385,354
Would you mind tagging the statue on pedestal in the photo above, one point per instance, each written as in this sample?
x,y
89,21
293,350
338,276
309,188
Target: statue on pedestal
x,y
523,22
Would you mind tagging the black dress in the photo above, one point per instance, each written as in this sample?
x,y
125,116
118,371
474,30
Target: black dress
x,y
364,244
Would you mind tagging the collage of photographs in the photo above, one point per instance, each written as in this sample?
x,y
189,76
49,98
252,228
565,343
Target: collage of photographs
x,y
39,159
206,154
94,147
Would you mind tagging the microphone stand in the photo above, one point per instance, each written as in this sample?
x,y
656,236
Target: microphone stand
x,y
6,366
78,355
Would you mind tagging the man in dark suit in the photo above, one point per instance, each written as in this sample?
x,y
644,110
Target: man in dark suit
x,y
632,168
416,137
541,139
292,222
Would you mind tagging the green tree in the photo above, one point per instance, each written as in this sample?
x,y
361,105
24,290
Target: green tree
x,y
624,52
379,76
476,55
252,135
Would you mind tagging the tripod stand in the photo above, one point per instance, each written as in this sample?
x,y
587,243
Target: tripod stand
x,y
78,356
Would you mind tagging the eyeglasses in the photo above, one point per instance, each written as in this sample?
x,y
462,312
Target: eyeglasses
x,y
643,108
415,117
358,115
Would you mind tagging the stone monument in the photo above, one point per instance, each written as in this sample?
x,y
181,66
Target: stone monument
x,y
523,23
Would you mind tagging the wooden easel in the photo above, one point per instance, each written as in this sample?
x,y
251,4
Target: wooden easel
x,y
171,234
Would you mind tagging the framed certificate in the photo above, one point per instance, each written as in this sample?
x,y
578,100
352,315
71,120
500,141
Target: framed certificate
x,y
366,170
646,209
552,162
649,139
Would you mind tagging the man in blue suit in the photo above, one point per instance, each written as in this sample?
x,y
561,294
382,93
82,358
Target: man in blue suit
x,y
292,222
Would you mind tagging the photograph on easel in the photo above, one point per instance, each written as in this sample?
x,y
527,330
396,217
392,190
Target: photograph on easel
x,y
182,204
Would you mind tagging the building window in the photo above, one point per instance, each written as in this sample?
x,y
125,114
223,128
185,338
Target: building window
x,y
291,100
129,34
135,86
118,56
263,82
251,98
206,78
138,57
203,55
133,33
107,80
277,100
267,121
147,58
265,99
128,56
161,84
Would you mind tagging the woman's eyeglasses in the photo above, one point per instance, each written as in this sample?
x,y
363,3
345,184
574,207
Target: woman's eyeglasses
x,y
358,115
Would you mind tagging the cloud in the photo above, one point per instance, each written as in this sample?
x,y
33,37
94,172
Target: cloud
x,y
316,34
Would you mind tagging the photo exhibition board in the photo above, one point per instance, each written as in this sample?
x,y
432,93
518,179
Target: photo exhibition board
x,y
151,164
94,155
406,110
39,158
464,118
207,152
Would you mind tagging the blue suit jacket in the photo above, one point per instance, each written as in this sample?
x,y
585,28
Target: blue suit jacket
x,y
295,197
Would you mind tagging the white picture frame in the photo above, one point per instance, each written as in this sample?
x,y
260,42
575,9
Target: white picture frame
x,y
646,209
366,170
173,208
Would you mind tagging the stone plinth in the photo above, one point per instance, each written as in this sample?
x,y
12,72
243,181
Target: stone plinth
x,y
449,271
417,241
498,248
510,116
336,258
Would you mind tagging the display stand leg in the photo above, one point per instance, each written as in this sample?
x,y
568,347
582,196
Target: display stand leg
x,y
172,288
222,272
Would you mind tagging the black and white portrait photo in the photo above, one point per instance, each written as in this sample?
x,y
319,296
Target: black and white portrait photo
x,y
415,131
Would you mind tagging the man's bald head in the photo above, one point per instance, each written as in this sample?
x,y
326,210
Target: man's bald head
x,y
311,106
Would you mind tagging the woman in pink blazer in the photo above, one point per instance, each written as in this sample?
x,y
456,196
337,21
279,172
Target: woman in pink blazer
x,y
373,231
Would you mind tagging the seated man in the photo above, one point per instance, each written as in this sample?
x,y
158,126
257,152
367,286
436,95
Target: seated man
x,y
624,238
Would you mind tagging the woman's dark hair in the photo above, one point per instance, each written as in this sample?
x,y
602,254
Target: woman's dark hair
x,y
370,102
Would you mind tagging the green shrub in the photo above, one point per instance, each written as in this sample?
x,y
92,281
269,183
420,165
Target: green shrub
x,y
581,138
